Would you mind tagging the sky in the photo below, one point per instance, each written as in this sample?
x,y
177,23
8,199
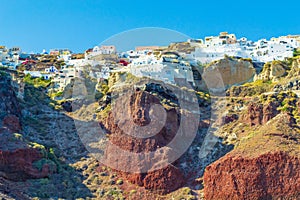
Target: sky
x,y
80,24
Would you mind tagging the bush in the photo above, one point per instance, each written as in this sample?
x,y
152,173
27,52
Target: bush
x,y
18,136
37,82
40,163
58,94
296,52
119,182
40,147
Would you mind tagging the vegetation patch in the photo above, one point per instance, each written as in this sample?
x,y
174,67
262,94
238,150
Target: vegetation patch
x,y
36,82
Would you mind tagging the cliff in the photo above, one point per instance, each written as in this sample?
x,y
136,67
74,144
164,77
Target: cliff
x,y
273,71
127,138
17,155
228,72
274,175
252,145
265,162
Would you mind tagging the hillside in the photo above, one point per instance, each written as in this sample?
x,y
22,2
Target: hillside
x,y
191,144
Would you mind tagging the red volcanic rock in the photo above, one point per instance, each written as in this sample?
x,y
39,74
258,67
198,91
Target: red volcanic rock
x,y
259,114
255,114
161,181
122,133
268,176
12,123
17,164
269,111
140,104
128,120
16,158
229,118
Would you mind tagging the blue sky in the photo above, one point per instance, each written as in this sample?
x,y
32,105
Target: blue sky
x,y
79,24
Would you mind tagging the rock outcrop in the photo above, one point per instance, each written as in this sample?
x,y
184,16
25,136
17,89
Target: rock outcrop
x,y
121,126
227,72
295,68
272,71
255,114
269,176
258,114
265,163
269,111
12,123
160,181
16,157
8,102
17,165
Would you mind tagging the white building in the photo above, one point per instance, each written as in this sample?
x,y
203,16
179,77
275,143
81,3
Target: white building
x,y
261,51
222,39
51,69
15,50
65,76
168,72
38,74
10,57
209,54
100,50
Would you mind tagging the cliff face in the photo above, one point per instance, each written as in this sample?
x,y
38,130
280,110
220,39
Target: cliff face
x,y
138,110
16,156
272,71
258,114
163,180
8,101
17,165
265,163
295,68
269,176
227,72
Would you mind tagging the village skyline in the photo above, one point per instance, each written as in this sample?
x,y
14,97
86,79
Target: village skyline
x,y
80,24
117,42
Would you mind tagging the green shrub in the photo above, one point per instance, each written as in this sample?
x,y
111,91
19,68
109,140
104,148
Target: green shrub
x,y
296,52
40,163
18,136
36,82
119,182
58,94
40,147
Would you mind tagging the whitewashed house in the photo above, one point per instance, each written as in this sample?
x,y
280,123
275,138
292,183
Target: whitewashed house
x,y
159,69
15,51
222,39
51,69
100,50
216,47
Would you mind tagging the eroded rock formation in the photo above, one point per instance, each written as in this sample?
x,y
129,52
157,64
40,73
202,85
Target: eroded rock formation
x,y
227,72
16,156
272,71
258,114
132,114
268,176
